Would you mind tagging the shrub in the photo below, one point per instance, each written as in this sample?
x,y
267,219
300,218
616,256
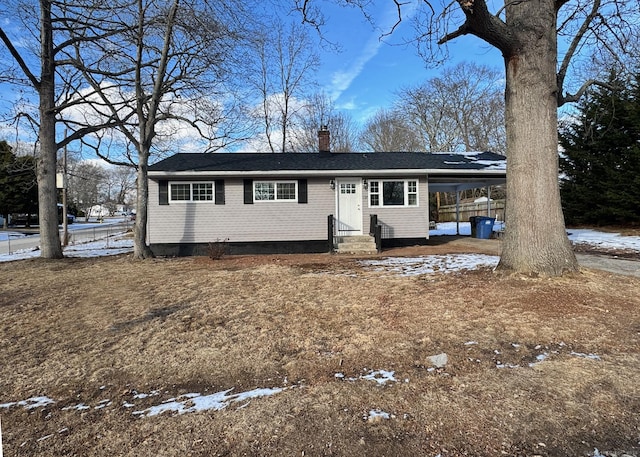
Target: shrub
x,y
217,249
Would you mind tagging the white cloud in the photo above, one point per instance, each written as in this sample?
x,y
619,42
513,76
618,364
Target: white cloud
x,y
342,80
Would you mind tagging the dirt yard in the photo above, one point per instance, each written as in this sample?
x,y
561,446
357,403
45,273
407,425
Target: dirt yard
x,y
324,357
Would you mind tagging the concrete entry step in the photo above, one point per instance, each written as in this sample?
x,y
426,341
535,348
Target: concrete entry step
x,y
360,244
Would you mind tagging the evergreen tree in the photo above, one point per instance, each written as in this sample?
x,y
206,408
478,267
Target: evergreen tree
x,y
18,187
601,158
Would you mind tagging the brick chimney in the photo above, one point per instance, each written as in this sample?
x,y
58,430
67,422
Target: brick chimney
x,y
324,139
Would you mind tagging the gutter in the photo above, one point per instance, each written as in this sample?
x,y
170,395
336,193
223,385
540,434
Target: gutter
x,y
329,173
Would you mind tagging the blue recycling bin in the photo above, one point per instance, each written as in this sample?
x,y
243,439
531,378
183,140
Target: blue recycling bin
x,y
484,226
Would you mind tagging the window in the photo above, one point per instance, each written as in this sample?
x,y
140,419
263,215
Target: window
x,y
393,193
181,192
202,191
275,191
374,193
286,191
264,191
191,191
412,193
347,188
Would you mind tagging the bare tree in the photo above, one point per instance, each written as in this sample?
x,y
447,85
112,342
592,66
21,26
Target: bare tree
x,y
320,111
285,59
123,182
526,33
37,50
460,110
390,131
85,183
155,74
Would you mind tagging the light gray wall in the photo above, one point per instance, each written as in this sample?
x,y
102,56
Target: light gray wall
x,y
401,222
204,222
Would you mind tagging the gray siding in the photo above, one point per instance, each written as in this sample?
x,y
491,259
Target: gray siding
x,y
203,222
402,222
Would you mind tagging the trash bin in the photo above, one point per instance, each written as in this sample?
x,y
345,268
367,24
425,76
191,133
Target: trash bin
x,y
474,230
484,226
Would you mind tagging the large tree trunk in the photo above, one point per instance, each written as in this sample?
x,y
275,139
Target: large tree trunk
x,y
46,163
535,240
50,245
140,249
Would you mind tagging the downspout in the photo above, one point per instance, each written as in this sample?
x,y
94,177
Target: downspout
x,y
488,201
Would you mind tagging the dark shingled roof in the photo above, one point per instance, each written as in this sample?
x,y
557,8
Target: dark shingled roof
x,y
248,162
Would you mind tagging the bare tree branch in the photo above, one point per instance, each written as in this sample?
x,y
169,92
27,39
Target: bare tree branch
x,y
570,98
481,23
571,51
16,55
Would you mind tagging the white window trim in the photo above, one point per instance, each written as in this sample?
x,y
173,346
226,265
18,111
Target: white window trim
x,y
275,191
191,200
406,193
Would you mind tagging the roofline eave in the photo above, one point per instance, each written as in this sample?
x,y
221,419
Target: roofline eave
x,y
328,173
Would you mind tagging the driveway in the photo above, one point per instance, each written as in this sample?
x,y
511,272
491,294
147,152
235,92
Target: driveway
x,y
610,264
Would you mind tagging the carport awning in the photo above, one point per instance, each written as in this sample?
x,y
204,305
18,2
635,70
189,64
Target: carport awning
x,y
452,184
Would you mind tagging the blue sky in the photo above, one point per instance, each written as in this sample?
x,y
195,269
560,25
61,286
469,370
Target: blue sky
x,y
364,76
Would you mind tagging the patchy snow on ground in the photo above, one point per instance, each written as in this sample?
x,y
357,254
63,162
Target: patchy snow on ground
x,y
112,245
164,403
449,228
413,266
4,236
29,403
381,377
187,403
196,402
377,415
604,240
115,244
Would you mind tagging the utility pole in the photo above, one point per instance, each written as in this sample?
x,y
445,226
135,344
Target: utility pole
x,y
65,222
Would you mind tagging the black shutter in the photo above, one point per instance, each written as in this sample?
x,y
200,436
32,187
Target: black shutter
x,y
248,191
302,191
163,192
219,192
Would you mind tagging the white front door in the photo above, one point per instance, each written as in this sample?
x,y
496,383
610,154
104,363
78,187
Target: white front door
x,y
349,207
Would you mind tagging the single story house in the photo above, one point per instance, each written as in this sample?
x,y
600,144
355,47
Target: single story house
x,y
302,202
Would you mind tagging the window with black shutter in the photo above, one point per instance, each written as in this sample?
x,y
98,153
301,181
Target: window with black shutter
x,y
219,191
302,191
163,192
248,191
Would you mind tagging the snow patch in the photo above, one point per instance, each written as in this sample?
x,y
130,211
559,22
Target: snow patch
x,y
381,377
585,356
196,402
377,415
414,266
604,239
30,403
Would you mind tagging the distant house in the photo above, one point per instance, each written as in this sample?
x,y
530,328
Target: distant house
x,y
287,203
99,211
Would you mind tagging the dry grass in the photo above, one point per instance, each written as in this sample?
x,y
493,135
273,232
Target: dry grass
x,y
87,330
